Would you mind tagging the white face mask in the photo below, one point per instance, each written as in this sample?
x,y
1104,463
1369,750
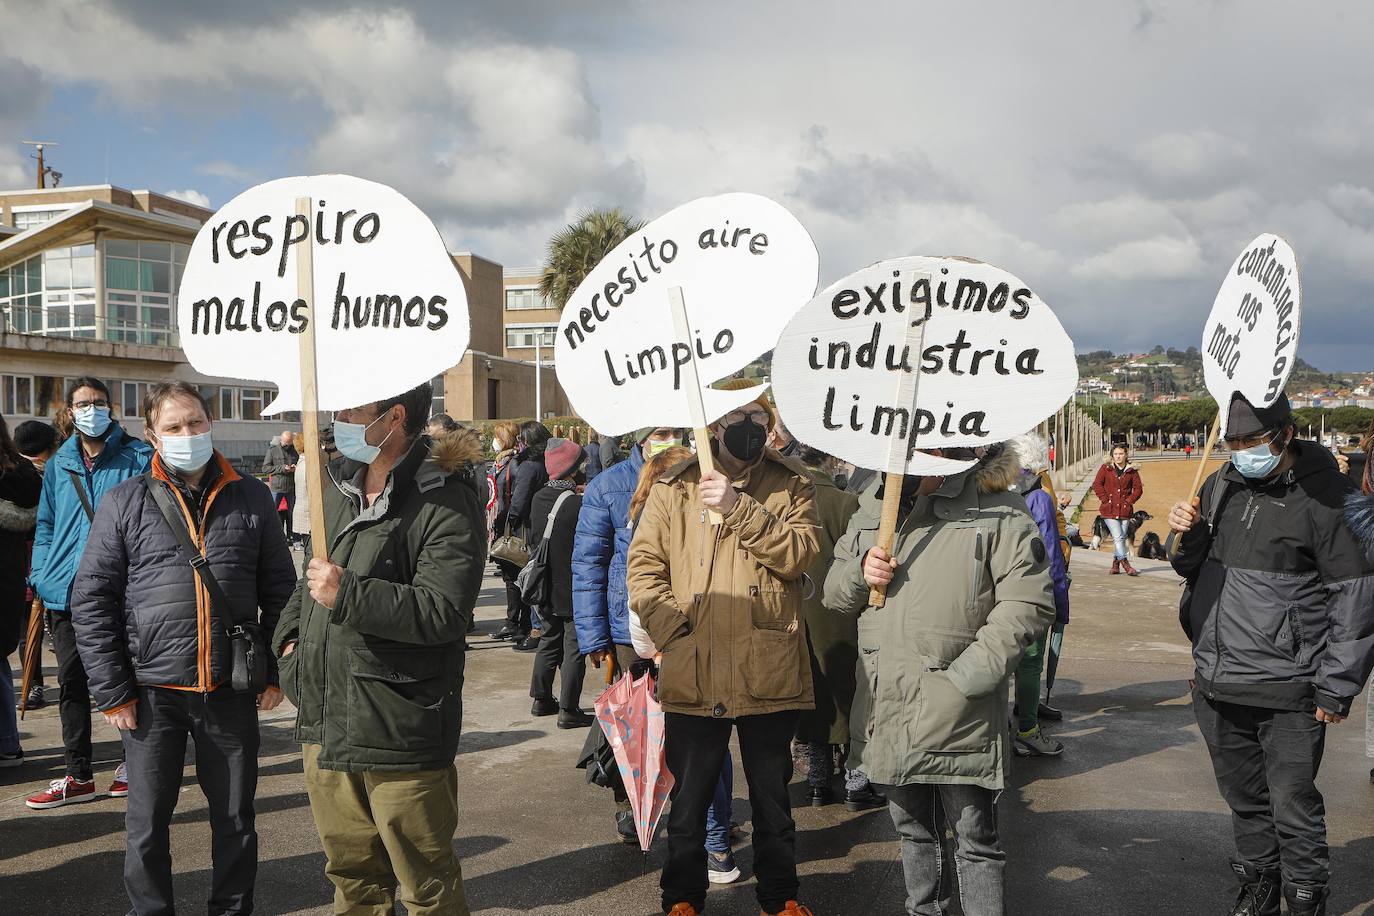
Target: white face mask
x,y
186,454
351,440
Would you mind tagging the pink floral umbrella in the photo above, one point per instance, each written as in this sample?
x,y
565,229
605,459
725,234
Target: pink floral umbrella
x,y
633,722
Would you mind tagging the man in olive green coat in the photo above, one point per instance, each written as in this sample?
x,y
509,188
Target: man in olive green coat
x,y
968,589
371,648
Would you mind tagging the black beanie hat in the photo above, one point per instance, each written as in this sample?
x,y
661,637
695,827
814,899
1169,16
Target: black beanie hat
x,y
1245,420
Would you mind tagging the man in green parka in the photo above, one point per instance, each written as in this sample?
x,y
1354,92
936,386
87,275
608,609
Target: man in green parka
x,y
371,653
968,589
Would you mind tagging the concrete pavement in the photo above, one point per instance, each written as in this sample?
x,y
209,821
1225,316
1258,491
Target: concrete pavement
x,y
1127,822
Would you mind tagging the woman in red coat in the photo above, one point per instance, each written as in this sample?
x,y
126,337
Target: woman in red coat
x,y
1118,487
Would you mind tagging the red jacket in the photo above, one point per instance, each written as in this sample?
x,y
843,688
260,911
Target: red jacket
x,y
1117,490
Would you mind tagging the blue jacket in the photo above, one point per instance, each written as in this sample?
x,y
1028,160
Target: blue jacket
x,y
62,523
1043,510
600,596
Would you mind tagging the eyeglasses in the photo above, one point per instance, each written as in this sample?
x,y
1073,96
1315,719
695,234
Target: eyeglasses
x,y
82,405
1241,444
754,416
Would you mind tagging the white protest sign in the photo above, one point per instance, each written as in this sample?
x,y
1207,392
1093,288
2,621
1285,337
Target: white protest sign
x,y
1250,340
390,306
744,264
993,362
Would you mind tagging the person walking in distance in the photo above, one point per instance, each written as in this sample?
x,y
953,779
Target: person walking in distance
x,y
157,634
371,653
1279,607
94,460
968,590
600,547
1118,488
555,508
723,604
504,438
280,463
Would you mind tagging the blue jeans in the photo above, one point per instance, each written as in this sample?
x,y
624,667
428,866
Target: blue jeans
x,y
9,718
1117,526
921,813
534,619
718,815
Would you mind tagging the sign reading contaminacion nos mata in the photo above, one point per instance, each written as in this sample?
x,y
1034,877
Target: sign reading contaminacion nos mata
x,y
390,308
984,359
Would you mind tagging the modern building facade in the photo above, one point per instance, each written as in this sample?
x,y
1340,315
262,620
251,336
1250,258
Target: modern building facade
x,y
88,284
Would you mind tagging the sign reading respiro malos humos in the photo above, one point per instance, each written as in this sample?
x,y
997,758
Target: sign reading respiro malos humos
x,y
992,359
743,264
390,309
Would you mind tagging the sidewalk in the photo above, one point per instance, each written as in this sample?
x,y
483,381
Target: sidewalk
x,y
1127,822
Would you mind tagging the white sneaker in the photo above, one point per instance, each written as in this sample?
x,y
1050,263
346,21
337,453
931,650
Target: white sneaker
x,y
1035,743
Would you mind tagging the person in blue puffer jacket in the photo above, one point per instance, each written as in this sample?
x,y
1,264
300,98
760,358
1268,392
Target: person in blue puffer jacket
x,y
99,456
600,596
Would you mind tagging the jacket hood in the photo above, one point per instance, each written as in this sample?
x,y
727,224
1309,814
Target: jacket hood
x,y
998,470
1359,518
454,451
13,518
1107,462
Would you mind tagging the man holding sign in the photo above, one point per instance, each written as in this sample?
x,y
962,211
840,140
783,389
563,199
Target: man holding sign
x,y
968,590
723,604
1280,610
371,648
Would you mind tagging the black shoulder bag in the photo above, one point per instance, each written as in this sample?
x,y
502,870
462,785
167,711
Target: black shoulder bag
x,y
246,640
81,495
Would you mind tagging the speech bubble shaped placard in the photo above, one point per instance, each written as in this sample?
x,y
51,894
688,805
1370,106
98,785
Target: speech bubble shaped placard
x,y
744,264
1250,340
993,362
390,306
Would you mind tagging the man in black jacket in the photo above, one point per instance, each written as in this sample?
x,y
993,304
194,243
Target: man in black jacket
x,y
157,652
1280,610
280,464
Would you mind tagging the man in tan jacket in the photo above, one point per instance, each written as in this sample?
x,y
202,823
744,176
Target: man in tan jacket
x,y
724,605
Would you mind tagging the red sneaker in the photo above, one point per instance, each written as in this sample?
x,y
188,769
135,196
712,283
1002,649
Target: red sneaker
x,y
61,792
120,787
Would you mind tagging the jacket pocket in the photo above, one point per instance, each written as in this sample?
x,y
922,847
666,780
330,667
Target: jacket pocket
x,y
395,703
677,672
774,669
866,692
949,722
286,676
774,607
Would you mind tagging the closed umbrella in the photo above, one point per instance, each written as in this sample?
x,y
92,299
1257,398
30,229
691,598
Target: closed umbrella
x,y
1055,646
33,651
632,720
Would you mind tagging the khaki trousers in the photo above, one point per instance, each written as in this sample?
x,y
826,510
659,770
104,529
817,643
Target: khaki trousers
x,y
381,829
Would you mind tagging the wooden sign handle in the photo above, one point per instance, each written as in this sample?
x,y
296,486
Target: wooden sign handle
x,y
1206,452
691,381
899,449
310,422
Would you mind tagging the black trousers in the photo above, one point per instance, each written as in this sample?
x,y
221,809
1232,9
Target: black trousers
x,y
224,726
558,649
694,750
1266,763
517,611
74,707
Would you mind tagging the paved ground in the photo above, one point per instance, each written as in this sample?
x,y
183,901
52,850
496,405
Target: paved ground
x,y
1127,822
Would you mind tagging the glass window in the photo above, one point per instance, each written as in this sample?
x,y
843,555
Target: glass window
x,y
16,395
121,248
179,253
529,298
121,273
59,274
155,277
253,403
83,272
211,395
517,338
155,251
131,403
229,403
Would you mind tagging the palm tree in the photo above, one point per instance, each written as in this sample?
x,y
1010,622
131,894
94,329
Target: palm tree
x,y
578,247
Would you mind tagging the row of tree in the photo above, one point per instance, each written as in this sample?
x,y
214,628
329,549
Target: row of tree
x,y
1195,415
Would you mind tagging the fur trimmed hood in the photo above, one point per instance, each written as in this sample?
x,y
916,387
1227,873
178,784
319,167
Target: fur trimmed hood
x,y
1107,462
456,451
997,471
1359,518
13,518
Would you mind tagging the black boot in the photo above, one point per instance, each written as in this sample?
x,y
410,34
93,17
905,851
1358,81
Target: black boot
x,y
1305,899
1259,891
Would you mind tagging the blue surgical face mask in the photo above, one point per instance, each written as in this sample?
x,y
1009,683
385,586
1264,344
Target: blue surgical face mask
x,y
186,454
351,441
93,421
1256,462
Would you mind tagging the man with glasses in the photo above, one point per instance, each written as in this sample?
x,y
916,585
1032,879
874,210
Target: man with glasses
x,y
1280,610
723,603
99,456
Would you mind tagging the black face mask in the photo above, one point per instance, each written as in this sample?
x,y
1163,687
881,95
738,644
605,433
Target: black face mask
x,y
745,440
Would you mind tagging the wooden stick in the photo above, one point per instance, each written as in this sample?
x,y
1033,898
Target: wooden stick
x,y
691,381
899,449
310,421
1206,453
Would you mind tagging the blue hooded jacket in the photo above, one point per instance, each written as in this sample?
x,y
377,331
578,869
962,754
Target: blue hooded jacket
x,y
1043,510
62,524
600,596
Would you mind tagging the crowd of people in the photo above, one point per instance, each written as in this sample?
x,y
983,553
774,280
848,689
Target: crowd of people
x,y
173,602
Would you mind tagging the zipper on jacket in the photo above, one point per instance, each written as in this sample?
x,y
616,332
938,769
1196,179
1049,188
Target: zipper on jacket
x,y
1216,612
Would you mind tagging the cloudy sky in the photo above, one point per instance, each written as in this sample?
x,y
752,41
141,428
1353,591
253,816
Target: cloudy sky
x,y
1116,155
